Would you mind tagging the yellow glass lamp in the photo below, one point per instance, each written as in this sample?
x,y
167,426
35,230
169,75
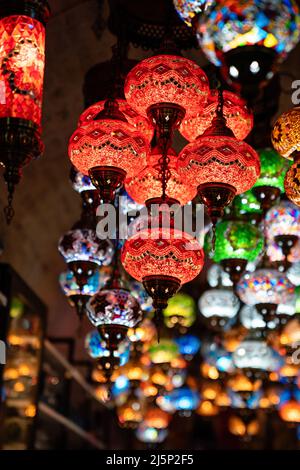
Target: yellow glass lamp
x,y
181,311
163,352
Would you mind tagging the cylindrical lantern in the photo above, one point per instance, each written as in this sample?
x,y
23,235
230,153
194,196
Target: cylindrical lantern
x,y
22,58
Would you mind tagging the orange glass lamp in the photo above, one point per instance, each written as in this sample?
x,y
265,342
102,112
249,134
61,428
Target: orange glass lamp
x,y
241,383
159,378
243,428
291,333
144,332
222,399
22,57
207,409
208,371
157,418
290,411
135,371
285,139
131,413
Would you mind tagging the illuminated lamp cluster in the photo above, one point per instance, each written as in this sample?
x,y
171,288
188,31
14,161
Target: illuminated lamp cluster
x,y
112,312
236,113
147,184
107,149
236,244
266,289
248,39
22,58
163,259
220,165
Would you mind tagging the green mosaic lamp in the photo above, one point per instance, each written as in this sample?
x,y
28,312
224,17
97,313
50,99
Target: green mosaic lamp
x,y
181,311
246,204
270,184
237,243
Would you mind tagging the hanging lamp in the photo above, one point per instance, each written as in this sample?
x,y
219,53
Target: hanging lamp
x,y
22,57
220,165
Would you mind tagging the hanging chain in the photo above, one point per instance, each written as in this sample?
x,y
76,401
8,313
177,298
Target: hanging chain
x,y
220,107
9,210
163,167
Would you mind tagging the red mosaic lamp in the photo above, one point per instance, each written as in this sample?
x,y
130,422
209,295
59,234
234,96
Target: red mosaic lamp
x,y
221,165
165,88
108,148
237,115
163,259
147,184
22,58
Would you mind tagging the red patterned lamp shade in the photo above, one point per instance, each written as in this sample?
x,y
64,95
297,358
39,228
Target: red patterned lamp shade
x,y
107,149
237,115
157,252
147,184
220,165
163,259
140,123
22,58
166,79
